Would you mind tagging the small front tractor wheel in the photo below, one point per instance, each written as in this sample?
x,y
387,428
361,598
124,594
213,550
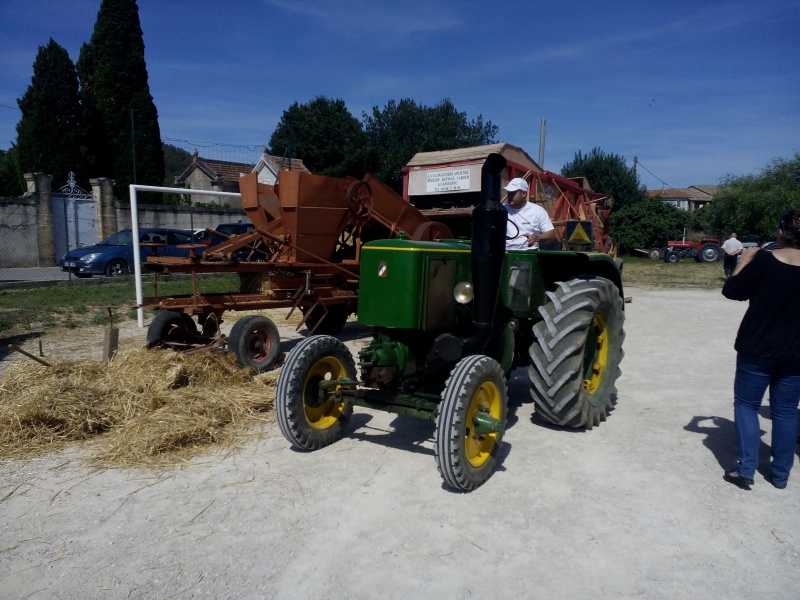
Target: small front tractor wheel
x,y
575,358
709,253
255,341
311,414
672,256
471,422
170,328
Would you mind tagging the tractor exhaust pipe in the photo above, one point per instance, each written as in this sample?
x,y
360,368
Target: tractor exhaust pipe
x,y
489,219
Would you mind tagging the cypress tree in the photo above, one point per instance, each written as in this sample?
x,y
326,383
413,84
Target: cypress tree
x,y
48,134
113,77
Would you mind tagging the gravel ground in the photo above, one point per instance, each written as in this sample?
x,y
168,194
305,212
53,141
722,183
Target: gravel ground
x,y
634,508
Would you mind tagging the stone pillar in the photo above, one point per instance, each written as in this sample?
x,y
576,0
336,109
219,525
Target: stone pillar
x,y
103,192
38,184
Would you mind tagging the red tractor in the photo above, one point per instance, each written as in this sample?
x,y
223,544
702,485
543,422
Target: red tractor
x,y
706,250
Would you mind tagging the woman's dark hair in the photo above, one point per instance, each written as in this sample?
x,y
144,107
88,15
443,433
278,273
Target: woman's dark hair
x,y
790,225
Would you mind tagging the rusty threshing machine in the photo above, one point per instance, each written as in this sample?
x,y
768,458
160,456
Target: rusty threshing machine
x,y
303,254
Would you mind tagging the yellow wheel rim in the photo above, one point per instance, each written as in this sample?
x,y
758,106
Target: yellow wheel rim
x,y
486,399
322,412
596,355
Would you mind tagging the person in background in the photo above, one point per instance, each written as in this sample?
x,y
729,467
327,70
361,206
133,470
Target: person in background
x,y
529,226
768,352
732,248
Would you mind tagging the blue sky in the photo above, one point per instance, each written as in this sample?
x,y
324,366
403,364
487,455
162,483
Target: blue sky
x,y
696,90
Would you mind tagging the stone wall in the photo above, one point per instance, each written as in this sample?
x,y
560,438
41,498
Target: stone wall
x,y
18,233
26,223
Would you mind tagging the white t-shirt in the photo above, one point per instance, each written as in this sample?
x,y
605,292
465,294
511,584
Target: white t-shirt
x,y
732,246
531,218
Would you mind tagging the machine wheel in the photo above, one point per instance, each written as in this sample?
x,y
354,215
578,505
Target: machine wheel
x,y
672,257
359,198
170,327
307,418
466,457
575,358
117,268
255,341
656,253
431,231
709,253
333,322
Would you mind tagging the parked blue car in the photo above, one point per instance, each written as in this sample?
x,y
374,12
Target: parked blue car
x,y
113,257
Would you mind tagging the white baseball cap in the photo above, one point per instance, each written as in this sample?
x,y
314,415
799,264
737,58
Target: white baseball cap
x,y
517,184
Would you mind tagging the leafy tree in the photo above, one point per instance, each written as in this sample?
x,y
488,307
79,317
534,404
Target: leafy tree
x,y
324,134
11,181
396,133
646,223
113,77
607,174
750,205
48,134
176,161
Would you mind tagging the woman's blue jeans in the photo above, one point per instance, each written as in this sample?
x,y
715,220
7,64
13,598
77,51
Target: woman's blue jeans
x,y
753,377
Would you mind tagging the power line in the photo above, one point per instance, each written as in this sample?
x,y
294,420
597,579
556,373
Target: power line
x,y
11,107
663,183
243,153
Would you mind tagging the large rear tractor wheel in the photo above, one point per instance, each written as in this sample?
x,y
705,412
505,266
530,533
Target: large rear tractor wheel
x,y
310,413
255,341
575,358
170,328
471,422
709,253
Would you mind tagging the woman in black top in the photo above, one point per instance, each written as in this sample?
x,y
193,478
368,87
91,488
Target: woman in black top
x,y
768,352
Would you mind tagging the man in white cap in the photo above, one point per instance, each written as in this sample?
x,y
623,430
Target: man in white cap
x,y
529,226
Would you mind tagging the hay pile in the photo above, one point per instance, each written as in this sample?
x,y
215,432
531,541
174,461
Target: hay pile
x,y
146,407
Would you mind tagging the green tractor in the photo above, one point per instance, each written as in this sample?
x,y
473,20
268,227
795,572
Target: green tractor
x,y
451,319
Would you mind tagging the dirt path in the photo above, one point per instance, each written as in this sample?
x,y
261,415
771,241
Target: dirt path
x,y
634,508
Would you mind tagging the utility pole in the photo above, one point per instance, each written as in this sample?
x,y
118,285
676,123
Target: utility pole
x,y
635,160
133,147
542,132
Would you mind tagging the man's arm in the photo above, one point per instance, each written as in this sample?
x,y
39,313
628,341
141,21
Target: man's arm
x,y
549,240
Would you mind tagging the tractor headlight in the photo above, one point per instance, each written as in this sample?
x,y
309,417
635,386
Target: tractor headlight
x,y
463,293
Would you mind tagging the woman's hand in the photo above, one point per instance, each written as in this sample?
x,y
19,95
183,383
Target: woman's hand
x,y
747,254
744,258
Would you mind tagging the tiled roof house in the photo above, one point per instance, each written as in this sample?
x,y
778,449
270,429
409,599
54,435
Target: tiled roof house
x,y
688,199
213,175
268,166
223,176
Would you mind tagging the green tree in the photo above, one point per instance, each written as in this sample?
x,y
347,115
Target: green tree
x,y
114,85
607,174
48,134
647,223
176,161
750,205
324,135
11,181
396,133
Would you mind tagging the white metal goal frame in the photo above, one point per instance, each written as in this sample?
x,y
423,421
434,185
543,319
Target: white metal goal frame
x,y
137,259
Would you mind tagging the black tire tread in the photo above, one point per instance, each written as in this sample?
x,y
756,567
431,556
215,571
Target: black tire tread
x,y
164,323
237,341
289,392
556,370
456,396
